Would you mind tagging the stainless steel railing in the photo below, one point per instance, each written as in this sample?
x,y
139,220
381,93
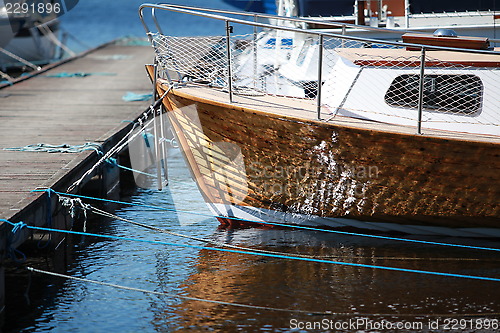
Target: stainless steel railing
x,y
320,35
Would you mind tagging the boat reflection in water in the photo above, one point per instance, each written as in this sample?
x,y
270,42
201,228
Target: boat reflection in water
x,y
346,292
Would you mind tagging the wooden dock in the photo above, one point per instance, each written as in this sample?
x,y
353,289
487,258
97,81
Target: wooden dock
x,y
70,110
64,110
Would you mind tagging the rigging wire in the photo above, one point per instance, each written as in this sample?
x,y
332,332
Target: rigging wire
x,y
258,307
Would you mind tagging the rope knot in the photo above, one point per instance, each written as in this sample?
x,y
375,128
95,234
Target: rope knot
x,y
112,161
18,226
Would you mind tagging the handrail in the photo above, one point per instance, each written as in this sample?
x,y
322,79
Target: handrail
x,y
334,24
288,18
209,13
199,12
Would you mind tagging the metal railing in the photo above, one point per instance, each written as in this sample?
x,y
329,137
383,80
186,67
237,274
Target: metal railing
x,y
205,12
320,35
302,20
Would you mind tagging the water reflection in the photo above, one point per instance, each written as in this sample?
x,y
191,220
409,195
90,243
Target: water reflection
x,y
347,292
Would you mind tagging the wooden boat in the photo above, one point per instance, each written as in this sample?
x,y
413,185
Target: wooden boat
x,y
387,142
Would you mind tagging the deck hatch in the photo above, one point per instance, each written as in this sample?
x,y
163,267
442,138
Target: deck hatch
x,y
444,93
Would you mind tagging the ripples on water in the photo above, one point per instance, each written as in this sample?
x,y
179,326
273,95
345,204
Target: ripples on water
x,y
68,305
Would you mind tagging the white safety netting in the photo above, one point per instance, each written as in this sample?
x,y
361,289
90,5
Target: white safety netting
x,y
359,79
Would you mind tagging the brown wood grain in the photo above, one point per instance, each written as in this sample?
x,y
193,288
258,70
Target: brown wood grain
x,y
298,165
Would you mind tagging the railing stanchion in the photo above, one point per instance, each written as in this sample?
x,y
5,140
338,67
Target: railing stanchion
x,y
343,34
255,52
156,130
320,75
229,29
421,90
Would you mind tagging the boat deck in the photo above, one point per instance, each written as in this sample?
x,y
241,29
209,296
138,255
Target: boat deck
x,y
302,109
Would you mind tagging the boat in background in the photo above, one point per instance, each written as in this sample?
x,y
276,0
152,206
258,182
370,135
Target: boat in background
x,y
8,26
38,46
35,39
286,56
256,6
387,137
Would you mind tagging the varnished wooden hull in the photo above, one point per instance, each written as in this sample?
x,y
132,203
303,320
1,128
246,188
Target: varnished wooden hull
x,y
300,167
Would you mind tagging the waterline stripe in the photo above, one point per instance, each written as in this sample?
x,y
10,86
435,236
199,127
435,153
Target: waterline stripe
x,y
275,223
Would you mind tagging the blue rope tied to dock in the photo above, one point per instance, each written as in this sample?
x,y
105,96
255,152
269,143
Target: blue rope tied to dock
x,y
49,209
276,224
17,226
48,218
77,74
63,148
16,255
134,97
289,257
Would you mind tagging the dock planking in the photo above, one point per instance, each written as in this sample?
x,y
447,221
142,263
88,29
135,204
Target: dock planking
x,y
66,110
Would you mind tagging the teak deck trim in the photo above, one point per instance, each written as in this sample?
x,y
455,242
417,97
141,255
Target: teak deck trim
x,y
299,110
403,58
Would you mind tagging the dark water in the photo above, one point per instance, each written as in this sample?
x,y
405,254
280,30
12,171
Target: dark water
x,y
368,297
347,293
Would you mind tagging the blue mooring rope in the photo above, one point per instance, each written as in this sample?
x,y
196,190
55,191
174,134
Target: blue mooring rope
x,y
276,223
406,270
112,161
12,238
78,74
135,97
